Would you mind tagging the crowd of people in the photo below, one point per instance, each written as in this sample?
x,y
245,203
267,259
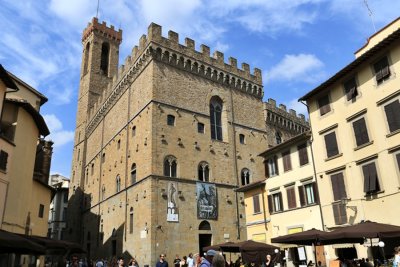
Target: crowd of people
x,y
213,258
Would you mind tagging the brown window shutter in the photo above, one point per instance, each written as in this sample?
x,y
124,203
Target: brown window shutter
x,y
316,194
323,104
276,165
291,197
280,201
360,132
393,115
287,164
301,195
379,76
331,145
371,183
303,156
338,187
385,72
339,213
256,203
270,204
266,168
350,88
398,160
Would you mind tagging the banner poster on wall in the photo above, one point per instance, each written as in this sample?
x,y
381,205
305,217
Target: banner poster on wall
x,y
207,201
172,208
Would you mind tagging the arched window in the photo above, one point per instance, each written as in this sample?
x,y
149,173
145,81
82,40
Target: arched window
x,y
86,59
170,166
245,175
131,221
133,173
103,193
118,183
204,225
203,171
215,118
278,138
105,52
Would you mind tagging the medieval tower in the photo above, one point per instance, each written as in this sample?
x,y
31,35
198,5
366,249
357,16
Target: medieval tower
x,y
160,145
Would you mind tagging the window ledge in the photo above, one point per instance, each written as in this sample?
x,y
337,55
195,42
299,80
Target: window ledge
x,y
11,142
3,171
363,145
393,133
305,164
333,157
257,213
370,196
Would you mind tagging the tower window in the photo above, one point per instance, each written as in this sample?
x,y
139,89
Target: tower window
x,y
133,173
118,183
216,118
203,171
131,221
241,138
133,131
86,59
200,127
171,120
105,53
245,175
170,166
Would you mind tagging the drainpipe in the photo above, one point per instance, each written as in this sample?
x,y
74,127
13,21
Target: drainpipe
x,y
263,205
235,167
315,172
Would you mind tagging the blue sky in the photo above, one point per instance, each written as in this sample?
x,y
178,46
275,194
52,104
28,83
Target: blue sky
x,y
297,44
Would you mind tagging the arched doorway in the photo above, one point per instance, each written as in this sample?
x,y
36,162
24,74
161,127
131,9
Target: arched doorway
x,y
205,235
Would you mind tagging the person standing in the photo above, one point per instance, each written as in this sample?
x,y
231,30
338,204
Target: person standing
x,y
207,262
162,262
177,261
190,261
396,260
121,262
183,262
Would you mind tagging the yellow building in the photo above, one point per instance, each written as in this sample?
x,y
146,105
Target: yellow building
x,y
355,119
25,195
6,85
290,194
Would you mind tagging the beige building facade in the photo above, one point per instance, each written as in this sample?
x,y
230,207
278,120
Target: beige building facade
x,y
26,195
160,145
355,119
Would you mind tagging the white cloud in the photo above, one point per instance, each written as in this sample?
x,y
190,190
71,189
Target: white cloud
x,y
221,47
268,16
300,68
61,97
61,138
297,106
58,135
75,12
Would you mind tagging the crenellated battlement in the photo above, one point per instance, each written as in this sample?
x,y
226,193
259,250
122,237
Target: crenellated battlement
x,y
279,116
168,50
203,56
95,26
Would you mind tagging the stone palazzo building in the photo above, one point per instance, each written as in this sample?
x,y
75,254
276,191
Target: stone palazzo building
x,y
161,143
